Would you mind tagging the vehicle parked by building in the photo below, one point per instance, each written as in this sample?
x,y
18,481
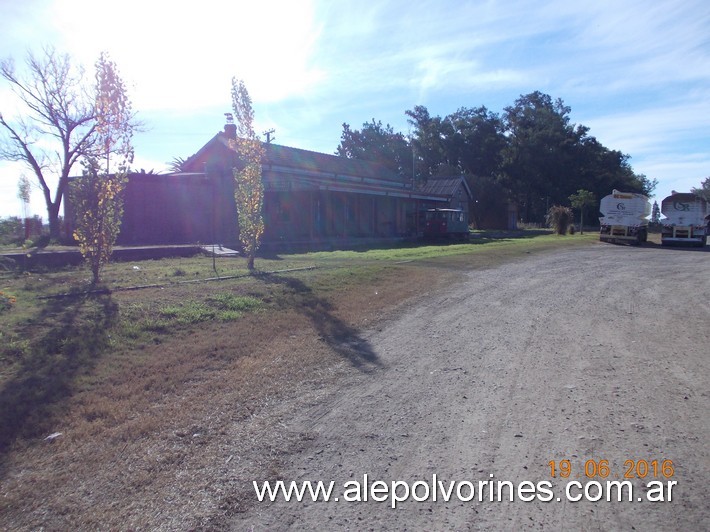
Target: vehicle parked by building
x,y
445,223
686,221
624,217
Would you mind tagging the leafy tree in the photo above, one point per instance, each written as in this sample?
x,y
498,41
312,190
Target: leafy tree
x,y
378,143
476,142
429,151
97,199
249,188
64,121
548,158
540,153
601,170
469,141
114,114
704,190
580,200
97,194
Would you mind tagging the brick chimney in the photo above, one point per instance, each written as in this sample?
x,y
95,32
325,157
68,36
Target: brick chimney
x,y
230,128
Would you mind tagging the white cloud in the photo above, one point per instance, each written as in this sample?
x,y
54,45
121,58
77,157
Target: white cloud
x,y
650,129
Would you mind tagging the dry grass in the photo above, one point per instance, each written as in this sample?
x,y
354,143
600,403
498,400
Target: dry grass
x,y
165,426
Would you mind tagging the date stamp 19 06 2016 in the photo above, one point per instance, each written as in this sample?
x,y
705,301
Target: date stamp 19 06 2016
x,y
642,469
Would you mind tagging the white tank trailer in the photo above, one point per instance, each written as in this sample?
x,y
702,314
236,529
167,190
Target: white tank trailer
x,y
686,219
624,217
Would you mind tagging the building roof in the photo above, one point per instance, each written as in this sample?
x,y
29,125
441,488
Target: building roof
x,y
286,156
287,168
445,186
278,155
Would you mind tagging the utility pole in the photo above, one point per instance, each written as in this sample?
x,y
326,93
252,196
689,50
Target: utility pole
x,y
268,135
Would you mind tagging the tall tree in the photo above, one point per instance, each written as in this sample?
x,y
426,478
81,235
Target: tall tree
x,y
115,123
476,141
581,200
97,193
378,143
62,121
704,190
540,151
469,141
249,188
427,142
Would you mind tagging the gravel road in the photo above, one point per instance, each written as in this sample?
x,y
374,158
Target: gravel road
x,y
589,355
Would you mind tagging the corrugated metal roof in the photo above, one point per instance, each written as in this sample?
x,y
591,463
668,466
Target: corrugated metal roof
x,y
444,187
305,160
291,168
326,163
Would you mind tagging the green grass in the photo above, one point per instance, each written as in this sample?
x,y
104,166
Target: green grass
x,y
406,252
223,307
49,346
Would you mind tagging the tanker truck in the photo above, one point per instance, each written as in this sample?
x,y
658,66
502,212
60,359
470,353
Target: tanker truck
x,y
686,219
624,217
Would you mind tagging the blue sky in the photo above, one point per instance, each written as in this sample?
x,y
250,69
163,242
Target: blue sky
x,y
637,73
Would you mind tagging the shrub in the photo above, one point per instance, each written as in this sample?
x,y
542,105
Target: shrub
x,y
559,218
11,230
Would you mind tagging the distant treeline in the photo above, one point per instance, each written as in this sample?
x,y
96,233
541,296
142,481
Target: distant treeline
x,y
530,154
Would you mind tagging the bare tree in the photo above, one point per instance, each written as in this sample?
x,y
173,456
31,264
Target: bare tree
x,y
65,120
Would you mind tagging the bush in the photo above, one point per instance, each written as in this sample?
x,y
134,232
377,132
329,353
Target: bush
x,y
559,218
11,231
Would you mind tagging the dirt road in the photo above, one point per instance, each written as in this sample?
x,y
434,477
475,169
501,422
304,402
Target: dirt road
x,y
599,353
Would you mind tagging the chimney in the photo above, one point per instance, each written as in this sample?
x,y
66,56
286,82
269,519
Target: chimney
x,y
230,128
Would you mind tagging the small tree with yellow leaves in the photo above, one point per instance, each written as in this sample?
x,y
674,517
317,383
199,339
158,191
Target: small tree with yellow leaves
x,y
97,194
249,188
99,207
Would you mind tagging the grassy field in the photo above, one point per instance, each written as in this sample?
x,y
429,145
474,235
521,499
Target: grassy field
x,y
53,329
112,367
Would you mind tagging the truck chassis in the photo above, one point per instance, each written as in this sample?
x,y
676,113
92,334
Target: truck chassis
x,y
617,234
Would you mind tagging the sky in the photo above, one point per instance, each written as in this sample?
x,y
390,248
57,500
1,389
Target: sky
x,y
636,73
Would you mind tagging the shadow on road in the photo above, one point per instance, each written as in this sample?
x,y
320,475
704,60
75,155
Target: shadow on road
x,y
676,247
341,337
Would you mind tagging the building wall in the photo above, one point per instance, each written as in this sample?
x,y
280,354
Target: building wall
x,y
161,209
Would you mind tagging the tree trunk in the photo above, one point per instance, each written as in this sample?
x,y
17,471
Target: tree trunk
x,y
53,215
581,221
